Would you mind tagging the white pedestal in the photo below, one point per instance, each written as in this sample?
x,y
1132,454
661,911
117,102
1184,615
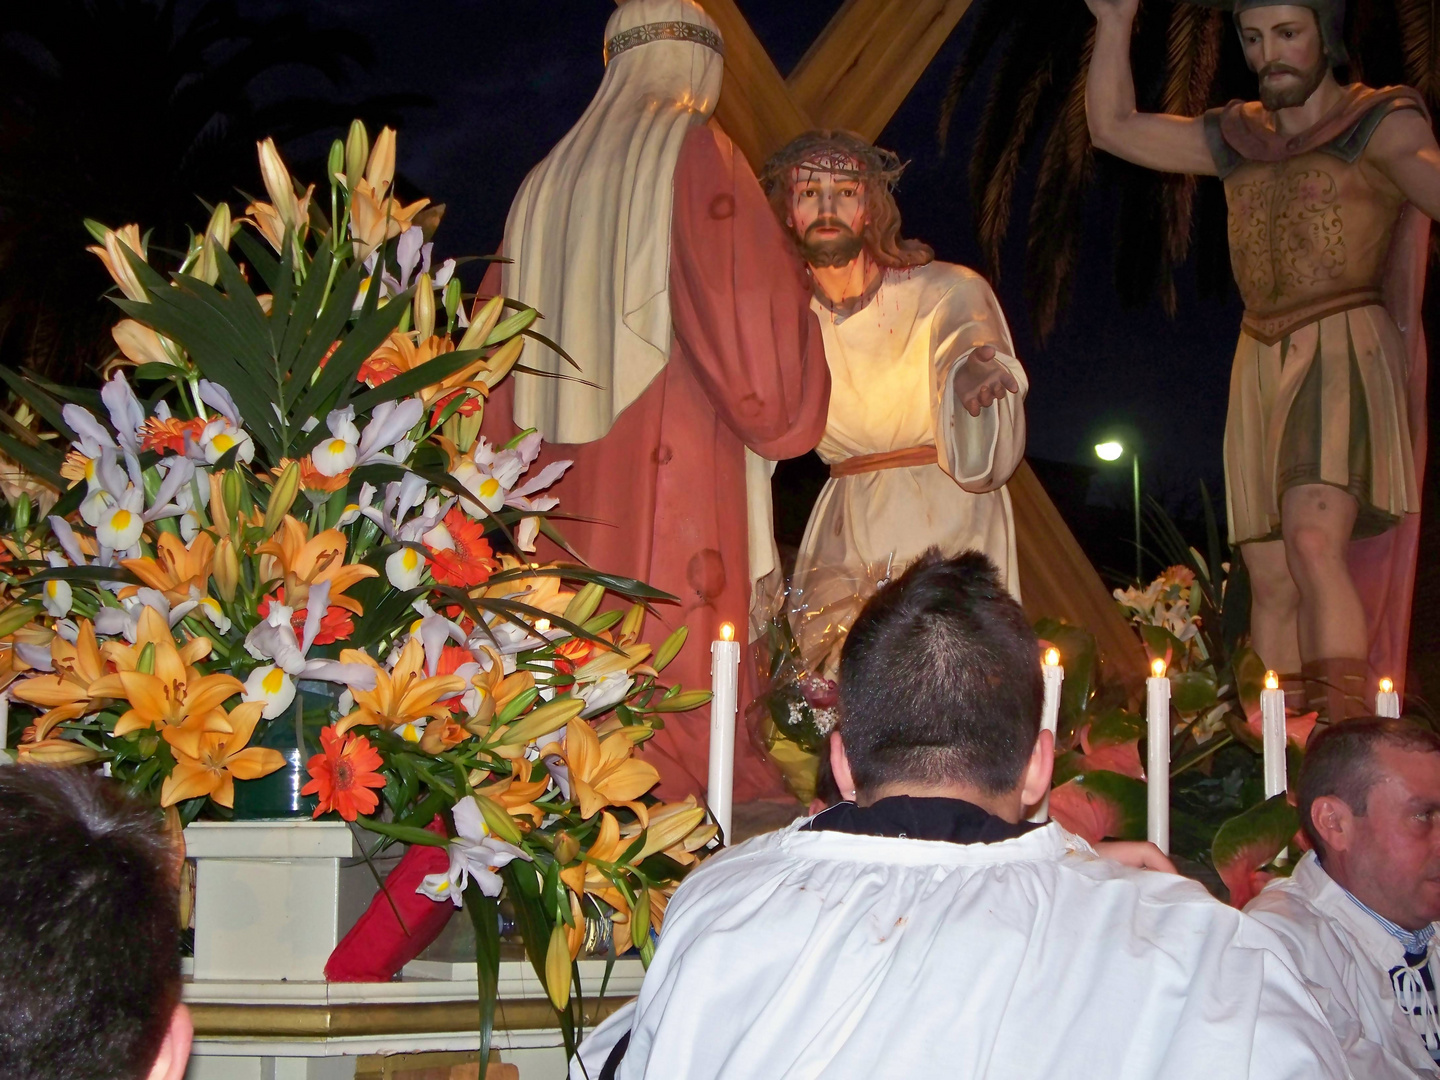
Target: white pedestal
x,y
274,898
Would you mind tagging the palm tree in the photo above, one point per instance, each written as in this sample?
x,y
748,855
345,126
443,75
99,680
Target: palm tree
x,y
1187,58
116,110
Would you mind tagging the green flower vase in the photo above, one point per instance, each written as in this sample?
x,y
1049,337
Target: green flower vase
x,y
296,735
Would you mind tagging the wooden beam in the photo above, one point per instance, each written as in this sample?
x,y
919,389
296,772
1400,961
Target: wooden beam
x,y
866,62
1057,580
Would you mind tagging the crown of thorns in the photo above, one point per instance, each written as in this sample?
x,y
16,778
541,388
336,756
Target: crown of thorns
x,y
837,152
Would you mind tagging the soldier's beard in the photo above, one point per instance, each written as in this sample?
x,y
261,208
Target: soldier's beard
x,y
1290,95
825,251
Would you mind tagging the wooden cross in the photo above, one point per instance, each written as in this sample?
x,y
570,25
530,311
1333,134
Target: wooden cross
x,y
855,76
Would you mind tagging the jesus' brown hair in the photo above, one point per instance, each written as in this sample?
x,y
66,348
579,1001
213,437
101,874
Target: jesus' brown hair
x,y
877,170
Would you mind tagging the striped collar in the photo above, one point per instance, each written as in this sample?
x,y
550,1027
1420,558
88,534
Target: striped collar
x,y
1415,942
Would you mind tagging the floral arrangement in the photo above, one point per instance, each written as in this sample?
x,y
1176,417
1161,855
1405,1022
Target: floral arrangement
x,y
278,535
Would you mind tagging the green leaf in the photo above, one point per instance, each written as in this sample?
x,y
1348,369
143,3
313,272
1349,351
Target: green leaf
x,y
408,833
364,338
1100,804
34,460
427,374
1248,841
1115,727
1192,691
484,912
264,263
321,328
28,391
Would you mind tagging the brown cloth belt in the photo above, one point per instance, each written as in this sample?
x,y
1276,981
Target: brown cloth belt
x,y
1268,329
890,459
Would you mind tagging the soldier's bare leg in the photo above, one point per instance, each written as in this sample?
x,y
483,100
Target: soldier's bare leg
x,y
1316,522
1274,606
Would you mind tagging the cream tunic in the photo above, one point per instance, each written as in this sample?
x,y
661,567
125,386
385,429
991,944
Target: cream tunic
x,y
893,365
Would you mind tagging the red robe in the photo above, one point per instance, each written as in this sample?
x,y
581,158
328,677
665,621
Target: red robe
x,y
747,368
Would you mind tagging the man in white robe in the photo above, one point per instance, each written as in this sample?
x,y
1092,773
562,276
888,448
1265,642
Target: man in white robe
x,y
924,929
1359,913
926,420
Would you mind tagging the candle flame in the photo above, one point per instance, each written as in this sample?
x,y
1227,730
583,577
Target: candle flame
x,y
542,625
1157,668
1052,657
1272,681
727,632
1387,686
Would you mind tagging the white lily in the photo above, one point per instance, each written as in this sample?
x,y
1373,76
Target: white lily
x,y
475,855
604,693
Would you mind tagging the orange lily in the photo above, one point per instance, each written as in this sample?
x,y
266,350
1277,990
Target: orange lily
x,y
603,771
401,352
55,752
542,591
175,569
301,561
152,629
172,694
518,791
677,829
402,695
209,762
70,691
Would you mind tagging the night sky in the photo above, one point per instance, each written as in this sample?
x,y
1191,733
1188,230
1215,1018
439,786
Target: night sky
x,y
509,79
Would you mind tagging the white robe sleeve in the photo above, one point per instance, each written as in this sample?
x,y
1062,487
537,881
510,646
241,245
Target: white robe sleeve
x,y
979,452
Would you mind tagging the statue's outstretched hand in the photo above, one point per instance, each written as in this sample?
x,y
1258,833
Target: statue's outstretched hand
x,y
1113,9
983,381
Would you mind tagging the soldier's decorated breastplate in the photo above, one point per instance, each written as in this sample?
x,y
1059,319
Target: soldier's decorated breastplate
x,y
1308,232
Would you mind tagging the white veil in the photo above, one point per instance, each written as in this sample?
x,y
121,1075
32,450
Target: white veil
x,y
589,230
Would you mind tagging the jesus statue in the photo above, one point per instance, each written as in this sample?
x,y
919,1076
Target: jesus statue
x,y
926,419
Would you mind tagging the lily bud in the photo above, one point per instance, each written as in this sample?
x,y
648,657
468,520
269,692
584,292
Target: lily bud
x,y
499,365
484,321
634,622
557,968
497,818
682,702
217,235
640,919
15,616
670,648
452,300
278,184
226,569
336,162
381,169
357,150
583,604
22,512
57,752
424,306
282,497
567,848
230,494
146,663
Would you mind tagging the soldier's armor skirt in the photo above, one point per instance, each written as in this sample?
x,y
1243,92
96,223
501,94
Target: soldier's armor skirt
x,y
1320,403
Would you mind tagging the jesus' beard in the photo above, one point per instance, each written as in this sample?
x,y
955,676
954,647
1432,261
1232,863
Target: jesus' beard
x,y
1292,95
838,250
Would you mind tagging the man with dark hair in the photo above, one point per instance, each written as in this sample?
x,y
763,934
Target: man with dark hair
x,y
89,933
1359,913
926,421
925,929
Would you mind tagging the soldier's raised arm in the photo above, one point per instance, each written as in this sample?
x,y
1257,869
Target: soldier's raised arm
x,y
1155,140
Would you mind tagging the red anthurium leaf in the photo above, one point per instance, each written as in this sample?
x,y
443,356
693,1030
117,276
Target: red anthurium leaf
x,y
1247,842
1101,804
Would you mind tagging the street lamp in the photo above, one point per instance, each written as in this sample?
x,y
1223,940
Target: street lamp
x,y
1111,450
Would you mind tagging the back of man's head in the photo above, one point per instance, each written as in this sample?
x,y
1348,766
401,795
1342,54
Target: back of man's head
x,y
89,929
940,680
1341,761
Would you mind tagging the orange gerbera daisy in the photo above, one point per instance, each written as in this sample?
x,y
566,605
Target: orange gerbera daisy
x,y
343,774
471,561
471,405
168,436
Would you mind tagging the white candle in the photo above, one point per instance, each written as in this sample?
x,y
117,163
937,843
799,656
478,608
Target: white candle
x,y
1272,731
725,688
1387,701
1157,767
1054,676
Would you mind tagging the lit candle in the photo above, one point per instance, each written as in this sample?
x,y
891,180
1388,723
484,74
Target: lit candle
x,y
725,689
1387,701
1157,768
1054,676
1272,730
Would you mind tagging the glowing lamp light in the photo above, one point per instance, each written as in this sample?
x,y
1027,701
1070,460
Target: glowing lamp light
x,y
727,631
1109,451
1272,681
1052,657
1157,668
1387,686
